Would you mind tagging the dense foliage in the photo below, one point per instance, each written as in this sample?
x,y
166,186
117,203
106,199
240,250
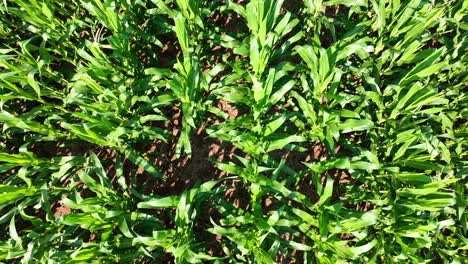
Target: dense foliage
x,y
342,126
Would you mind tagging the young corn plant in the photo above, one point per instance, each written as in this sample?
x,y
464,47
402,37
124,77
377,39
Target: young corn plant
x,y
189,84
268,85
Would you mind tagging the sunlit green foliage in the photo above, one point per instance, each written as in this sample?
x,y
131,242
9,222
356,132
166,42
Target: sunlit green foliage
x,y
379,87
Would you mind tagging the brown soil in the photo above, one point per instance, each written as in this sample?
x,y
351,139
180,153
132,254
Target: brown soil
x,y
62,210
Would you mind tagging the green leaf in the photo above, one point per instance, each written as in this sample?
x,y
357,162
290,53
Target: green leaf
x,y
164,202
351,125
